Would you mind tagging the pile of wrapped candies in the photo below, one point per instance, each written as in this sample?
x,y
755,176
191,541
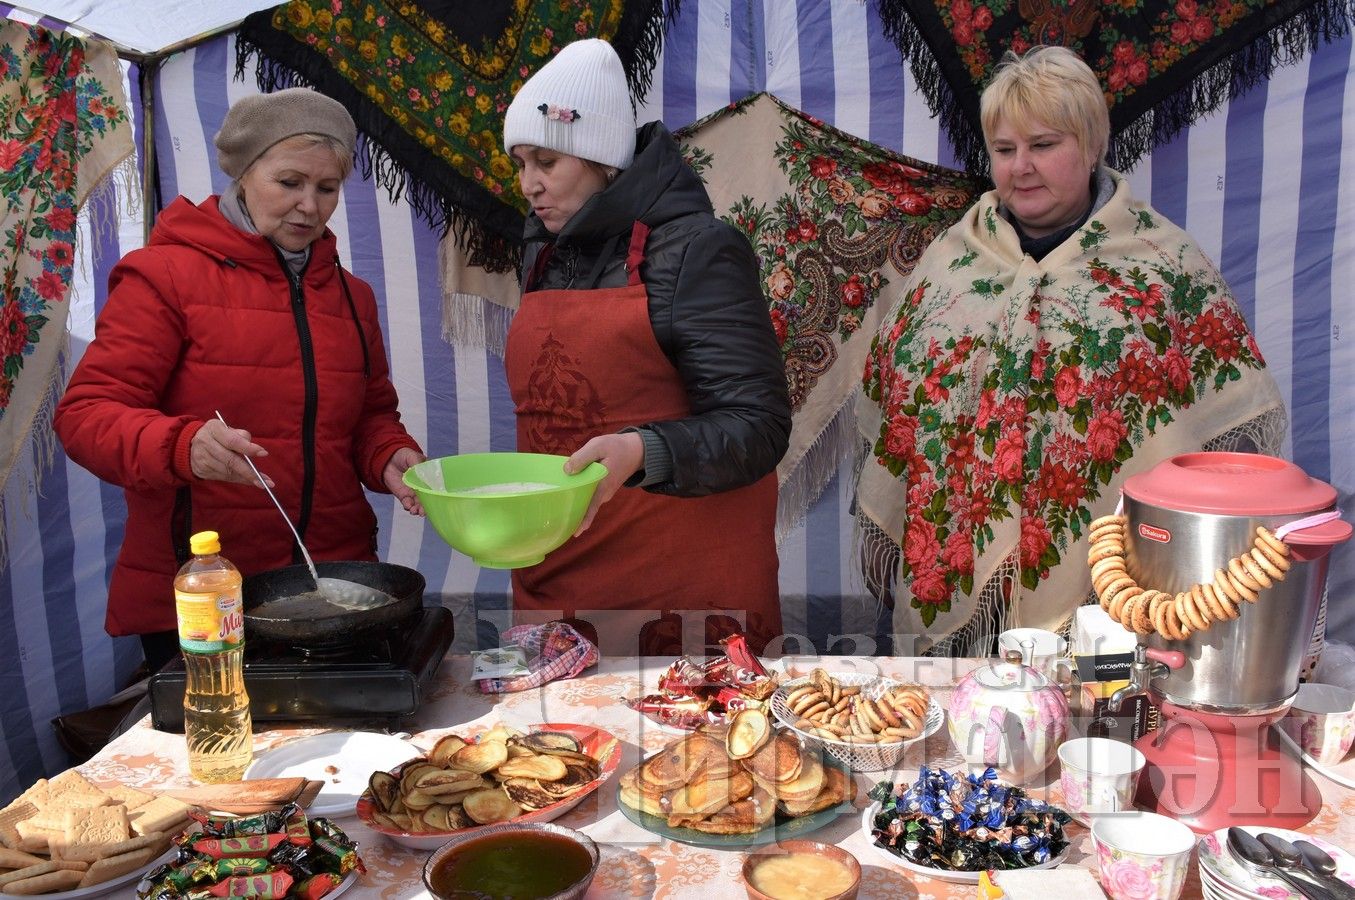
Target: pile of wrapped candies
x,y
967,824
277,854
692,694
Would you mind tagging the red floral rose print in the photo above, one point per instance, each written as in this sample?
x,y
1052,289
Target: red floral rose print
x,y
1035,539
1067,386
853,292
1104,434
13,331
822,167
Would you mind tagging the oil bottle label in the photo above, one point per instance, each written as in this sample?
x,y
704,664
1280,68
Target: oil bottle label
x,y
210,622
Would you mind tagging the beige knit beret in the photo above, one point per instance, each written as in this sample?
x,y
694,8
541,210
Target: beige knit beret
x,y
255,123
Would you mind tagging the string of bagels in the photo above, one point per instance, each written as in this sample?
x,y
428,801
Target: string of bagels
x,y
1144,610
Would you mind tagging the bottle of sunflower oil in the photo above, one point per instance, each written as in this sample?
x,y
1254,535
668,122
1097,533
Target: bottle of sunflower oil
x,y
210,608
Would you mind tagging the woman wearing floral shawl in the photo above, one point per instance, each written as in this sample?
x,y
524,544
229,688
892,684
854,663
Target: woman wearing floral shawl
x,y
1057,339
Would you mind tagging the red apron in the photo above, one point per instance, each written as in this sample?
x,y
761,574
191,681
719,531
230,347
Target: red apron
x,y
585,362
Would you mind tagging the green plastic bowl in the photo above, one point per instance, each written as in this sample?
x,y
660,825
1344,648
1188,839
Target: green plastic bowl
x,y
509,528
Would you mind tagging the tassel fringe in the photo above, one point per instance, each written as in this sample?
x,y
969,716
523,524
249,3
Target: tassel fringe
x,y
1285,41
489,230
469,320
1283,44
821,461
960,124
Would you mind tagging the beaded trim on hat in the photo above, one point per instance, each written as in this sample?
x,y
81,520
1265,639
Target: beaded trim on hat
x,y
559,113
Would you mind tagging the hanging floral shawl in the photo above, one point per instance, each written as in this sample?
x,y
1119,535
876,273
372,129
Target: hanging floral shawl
x,y
1163,63
63,127
836,223
1007,400
428,83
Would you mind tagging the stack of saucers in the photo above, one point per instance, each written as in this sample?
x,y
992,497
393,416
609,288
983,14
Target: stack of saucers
x,y
1222,877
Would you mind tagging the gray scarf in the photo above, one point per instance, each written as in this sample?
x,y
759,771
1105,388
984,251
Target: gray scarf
x,y
232,206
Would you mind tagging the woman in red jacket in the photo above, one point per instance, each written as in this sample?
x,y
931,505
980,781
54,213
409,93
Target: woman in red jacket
x,y
239,304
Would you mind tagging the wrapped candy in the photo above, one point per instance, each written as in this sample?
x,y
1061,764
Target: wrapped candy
x,y
268,886
692,694
249,845
264,823
189,869
316,886
296,826
678,712
682,677
261,865
967,824
239,866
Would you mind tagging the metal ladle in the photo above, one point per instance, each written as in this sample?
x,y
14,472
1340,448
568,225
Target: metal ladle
x,y
338,591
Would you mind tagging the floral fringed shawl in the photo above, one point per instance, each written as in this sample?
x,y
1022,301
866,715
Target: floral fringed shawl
x,y
63,128
1162,63
428,82
1007,400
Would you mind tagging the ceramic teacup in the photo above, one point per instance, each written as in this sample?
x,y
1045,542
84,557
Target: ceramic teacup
x,y
1142,855
1044,651
1098,775
1322,721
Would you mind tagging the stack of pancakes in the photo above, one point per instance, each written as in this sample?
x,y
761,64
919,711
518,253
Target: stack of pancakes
x,y
696,782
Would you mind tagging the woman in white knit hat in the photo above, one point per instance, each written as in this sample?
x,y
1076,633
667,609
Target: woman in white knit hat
x,y
642,342
239,304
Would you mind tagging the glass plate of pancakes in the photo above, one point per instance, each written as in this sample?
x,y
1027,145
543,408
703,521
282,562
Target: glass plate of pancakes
x,y
694,792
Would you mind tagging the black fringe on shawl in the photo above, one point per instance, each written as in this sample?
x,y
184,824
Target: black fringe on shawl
x,y
1291,28
959,115
489,230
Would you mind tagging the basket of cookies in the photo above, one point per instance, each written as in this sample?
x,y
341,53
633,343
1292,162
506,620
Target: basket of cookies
x,y
866,721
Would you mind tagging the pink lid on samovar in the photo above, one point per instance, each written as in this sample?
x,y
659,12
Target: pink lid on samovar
x,y
1230,484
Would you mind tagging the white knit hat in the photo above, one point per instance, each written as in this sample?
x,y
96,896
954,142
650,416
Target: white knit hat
x,y
578,103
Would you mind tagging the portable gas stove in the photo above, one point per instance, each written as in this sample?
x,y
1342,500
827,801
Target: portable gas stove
x,y
381,677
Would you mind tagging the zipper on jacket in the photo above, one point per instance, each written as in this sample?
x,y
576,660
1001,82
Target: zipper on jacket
x,y
571,264
303,333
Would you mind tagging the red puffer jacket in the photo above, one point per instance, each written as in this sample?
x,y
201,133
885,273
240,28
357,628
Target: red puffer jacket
x,y
206,318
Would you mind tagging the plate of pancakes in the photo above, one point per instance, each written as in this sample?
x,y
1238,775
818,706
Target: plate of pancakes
x,y
499,775
739,784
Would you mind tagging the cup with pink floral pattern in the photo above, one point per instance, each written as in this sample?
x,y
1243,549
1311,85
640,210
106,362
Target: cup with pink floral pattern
x,y
1321,720
1098,775
1142,855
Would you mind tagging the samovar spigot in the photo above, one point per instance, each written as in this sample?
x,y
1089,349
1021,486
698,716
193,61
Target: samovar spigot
x,y
1147,665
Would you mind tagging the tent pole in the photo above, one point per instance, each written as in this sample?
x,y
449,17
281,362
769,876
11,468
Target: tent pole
x,y
149,70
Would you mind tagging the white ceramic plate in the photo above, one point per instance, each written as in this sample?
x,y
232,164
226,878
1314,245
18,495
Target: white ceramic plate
x,y
343,760
145,885
1229,876
1214,888
111,885
867,826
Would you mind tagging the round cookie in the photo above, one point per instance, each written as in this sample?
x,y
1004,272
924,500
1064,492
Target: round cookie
x,y
1255,570
1241,575
1105,550
1275,572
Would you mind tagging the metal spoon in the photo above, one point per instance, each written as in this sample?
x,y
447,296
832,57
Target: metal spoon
x,y
1318,860
338,591
1321,862
1257,858
1287,856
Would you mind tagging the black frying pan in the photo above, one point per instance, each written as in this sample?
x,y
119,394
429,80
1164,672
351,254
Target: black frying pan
x,y
281,604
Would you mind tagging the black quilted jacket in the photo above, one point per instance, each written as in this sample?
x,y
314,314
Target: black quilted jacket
x,y
706,306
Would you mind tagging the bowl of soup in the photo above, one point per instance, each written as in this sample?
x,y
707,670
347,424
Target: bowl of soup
x,y
801,870
530,861
503,510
